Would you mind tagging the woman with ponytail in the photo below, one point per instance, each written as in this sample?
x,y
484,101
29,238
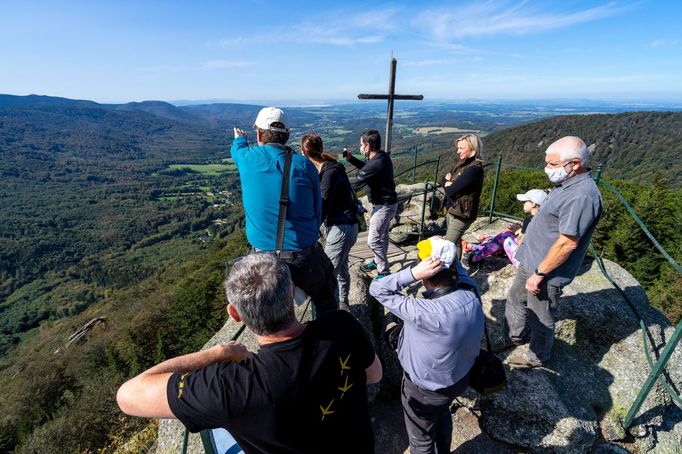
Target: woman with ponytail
x,y
338,210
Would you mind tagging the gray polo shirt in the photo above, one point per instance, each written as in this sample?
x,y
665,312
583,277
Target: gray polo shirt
x,y
441,337
572,208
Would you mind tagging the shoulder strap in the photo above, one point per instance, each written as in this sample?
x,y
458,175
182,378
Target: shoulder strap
x,y
283,201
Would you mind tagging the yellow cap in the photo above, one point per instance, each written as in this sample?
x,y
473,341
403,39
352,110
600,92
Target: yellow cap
x,y
444,250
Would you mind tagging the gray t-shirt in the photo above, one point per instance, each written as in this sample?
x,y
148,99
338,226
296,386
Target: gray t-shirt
x,y
572,208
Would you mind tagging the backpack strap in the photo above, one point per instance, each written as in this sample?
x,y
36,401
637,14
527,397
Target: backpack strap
x,y
283,201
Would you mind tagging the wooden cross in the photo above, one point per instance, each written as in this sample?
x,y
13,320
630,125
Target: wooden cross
x,y
391,96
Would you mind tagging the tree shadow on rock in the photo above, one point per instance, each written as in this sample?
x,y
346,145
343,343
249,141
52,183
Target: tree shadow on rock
x,y
560,405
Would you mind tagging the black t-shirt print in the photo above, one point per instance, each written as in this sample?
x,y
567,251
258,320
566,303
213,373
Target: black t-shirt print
x,y
304,395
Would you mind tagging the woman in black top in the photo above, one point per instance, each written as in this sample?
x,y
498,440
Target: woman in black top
x,y
463,188
338,210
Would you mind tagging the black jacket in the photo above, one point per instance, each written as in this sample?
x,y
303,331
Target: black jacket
x,y
463,195
338,204
377,173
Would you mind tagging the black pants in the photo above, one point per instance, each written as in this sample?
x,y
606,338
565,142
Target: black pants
x,y
313,272
427,415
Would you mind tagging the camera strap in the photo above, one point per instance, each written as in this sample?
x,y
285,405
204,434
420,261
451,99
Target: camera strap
x,y
283,201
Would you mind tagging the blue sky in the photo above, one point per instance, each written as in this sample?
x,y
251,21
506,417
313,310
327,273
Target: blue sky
x,y
121,51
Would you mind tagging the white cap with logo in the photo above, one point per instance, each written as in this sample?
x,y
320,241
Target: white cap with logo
x,y
269,115
537,196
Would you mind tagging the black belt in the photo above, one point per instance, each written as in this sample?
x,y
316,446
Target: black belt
x,y
283,254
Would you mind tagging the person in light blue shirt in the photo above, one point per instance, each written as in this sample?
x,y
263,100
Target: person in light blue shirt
x,y
260,171
439,342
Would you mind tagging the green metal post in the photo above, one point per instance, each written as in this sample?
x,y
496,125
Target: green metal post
x,y
435,185
435,178
414,166
597,177
653,376
185,440
421,225
497,178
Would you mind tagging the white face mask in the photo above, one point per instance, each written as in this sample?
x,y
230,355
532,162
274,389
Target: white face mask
x,y
556,176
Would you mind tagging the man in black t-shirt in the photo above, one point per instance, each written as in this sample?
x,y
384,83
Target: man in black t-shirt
x,y
303,392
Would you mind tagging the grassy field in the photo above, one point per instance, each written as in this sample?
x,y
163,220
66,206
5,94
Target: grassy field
x,y
206,169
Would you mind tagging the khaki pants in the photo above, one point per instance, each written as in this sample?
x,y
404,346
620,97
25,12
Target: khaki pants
x,y
456,229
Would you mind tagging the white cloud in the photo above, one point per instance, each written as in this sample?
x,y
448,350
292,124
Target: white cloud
x,y
337,29
503,17
226,64
664,43
421,63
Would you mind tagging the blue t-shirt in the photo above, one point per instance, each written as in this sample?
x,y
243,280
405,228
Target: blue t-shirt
x,y
260,172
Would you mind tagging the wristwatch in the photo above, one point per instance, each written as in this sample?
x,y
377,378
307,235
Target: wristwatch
x,y
538,273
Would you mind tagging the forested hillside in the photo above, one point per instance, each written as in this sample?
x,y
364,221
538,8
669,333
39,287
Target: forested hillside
x,y
127,213
631,146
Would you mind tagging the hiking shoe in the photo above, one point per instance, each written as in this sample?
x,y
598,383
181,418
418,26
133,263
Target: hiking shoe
x,y
504,343
380,275
524,363
369,266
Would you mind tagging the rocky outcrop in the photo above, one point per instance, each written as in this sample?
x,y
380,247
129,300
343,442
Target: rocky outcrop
x,y
576,404
598,366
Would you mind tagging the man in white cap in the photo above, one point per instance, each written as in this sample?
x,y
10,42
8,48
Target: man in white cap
x,y
439,342
551,253
260,171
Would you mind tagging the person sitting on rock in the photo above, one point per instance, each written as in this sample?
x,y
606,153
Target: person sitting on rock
x,y
439,342
303,392
509,238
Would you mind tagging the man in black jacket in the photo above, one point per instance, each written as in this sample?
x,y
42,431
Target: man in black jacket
x,y
377,173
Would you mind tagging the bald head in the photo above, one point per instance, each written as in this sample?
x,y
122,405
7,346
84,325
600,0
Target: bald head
x,y
570,148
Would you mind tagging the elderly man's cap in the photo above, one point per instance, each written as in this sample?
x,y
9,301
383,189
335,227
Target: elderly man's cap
x,y
438,248
269,115
537,196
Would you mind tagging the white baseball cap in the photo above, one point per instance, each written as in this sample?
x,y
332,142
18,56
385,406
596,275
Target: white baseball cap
x,y
437,247
269,115
537,196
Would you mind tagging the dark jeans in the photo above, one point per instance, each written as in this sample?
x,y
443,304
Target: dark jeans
x,y
313,272
427,415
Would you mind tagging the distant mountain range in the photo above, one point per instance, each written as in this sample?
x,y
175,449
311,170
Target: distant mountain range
x,y
631,145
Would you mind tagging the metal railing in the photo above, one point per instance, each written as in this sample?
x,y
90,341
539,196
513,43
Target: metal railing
x,y
657,372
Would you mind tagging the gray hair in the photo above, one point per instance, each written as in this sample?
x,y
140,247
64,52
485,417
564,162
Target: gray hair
x,y
259,287
570,148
